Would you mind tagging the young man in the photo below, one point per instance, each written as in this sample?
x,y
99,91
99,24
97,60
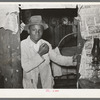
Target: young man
x,y
36,54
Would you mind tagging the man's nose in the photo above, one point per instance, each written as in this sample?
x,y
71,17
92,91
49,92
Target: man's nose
x,y
37,32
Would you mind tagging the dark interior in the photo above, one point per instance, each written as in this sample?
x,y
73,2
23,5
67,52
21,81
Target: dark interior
x,y
56,30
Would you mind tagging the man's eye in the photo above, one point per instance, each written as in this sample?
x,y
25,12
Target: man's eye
x,y
33,29
40,30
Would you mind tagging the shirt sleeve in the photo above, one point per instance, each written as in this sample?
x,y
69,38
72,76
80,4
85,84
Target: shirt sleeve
x,y
29,63
56,57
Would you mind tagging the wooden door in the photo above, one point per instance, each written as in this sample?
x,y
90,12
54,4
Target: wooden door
x,y
10,63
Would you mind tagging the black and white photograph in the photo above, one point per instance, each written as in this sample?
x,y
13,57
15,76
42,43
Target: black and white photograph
x,y
49,46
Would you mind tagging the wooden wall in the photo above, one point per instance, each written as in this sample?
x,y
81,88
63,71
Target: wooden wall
x,y
10,64
57,31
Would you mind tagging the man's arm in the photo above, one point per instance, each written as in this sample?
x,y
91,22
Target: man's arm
x,y
56,57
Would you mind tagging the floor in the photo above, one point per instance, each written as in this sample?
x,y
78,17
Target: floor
x,y
60,83
65,83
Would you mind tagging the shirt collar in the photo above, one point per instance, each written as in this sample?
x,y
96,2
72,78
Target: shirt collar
x,y
31,43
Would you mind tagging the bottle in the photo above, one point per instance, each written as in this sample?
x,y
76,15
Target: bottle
x,y
95,51
95,61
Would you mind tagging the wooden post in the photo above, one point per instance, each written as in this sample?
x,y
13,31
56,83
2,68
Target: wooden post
x,y
80,44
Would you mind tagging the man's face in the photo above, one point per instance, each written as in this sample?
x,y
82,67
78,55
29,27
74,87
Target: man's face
x,y
36,32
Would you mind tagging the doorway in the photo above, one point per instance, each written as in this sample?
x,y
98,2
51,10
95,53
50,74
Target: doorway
x,y
56,31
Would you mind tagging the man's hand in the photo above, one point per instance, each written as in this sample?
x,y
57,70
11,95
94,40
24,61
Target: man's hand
x,y
44,48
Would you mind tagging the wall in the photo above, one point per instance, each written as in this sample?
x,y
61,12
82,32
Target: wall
x,y
89,16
